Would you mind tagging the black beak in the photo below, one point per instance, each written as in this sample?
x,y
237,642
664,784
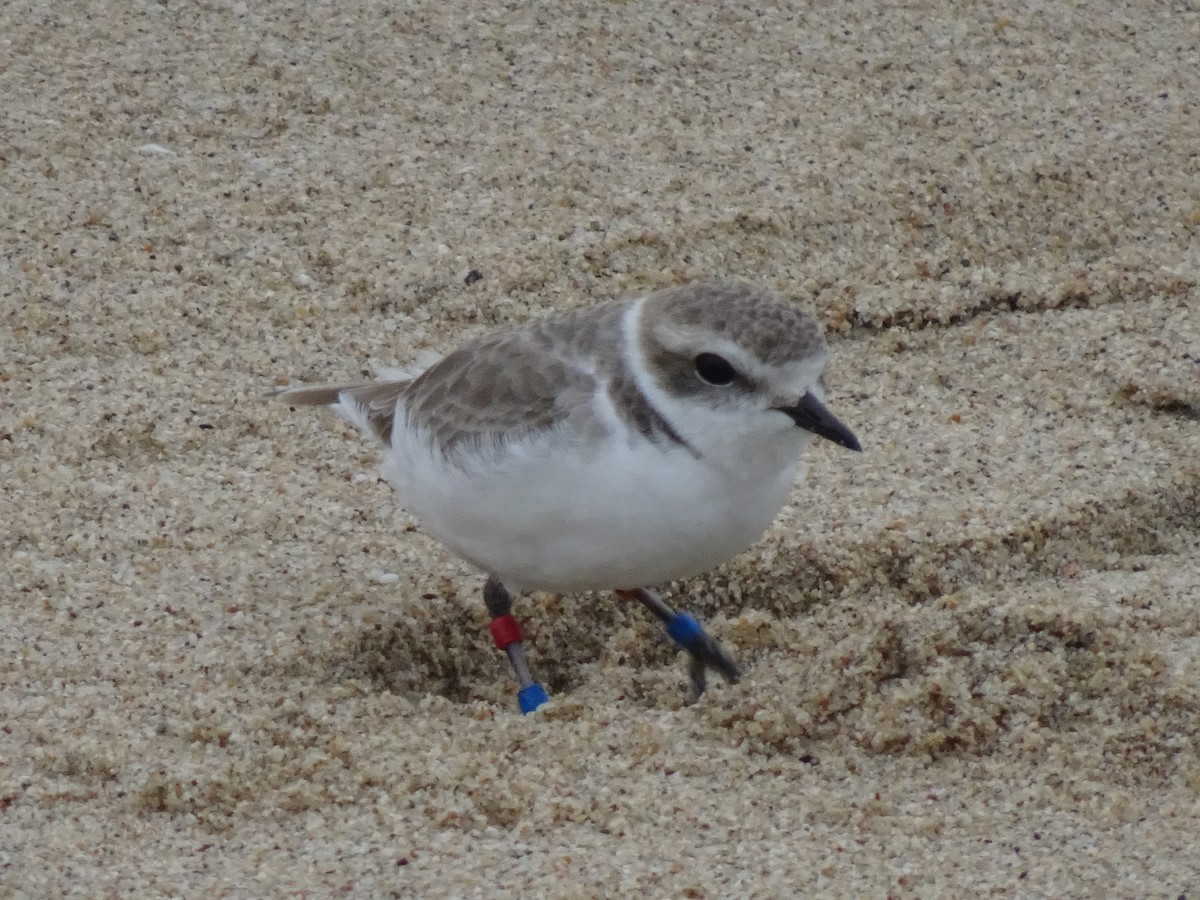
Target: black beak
x,y
811,415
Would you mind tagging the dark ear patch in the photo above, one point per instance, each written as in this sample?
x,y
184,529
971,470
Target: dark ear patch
x,y
636,409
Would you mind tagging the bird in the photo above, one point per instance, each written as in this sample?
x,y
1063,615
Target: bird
x,y
613,447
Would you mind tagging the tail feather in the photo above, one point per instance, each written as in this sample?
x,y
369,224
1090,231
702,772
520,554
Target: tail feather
x,y
371,405
313,394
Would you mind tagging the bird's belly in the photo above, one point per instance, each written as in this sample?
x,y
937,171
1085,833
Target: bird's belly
x,y
615,519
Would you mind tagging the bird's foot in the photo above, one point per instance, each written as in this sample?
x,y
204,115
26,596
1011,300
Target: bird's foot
x,y
706,653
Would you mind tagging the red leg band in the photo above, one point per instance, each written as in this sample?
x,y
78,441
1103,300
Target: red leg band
x,y
505,631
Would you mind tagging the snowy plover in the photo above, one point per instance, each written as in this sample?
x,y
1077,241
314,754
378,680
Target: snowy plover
x,y
609,448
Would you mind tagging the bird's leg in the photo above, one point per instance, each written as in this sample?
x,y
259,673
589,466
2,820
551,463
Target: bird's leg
x,y
507,635
704,650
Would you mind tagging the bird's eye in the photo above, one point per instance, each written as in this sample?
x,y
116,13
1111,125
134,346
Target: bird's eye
x,y
715,369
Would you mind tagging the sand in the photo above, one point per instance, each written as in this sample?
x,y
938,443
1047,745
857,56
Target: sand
x,y
232,666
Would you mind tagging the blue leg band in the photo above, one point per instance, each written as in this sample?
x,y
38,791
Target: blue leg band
x,y
684,630
530,698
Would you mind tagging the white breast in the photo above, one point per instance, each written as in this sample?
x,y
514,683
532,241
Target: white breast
x,y
549,514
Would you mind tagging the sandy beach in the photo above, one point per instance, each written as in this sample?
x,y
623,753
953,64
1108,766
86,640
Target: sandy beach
x,y
234,666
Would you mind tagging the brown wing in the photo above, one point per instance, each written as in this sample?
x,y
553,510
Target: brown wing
x,y
517,381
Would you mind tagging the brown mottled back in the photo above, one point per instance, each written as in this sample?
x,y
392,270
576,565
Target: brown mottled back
x,y
517,380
